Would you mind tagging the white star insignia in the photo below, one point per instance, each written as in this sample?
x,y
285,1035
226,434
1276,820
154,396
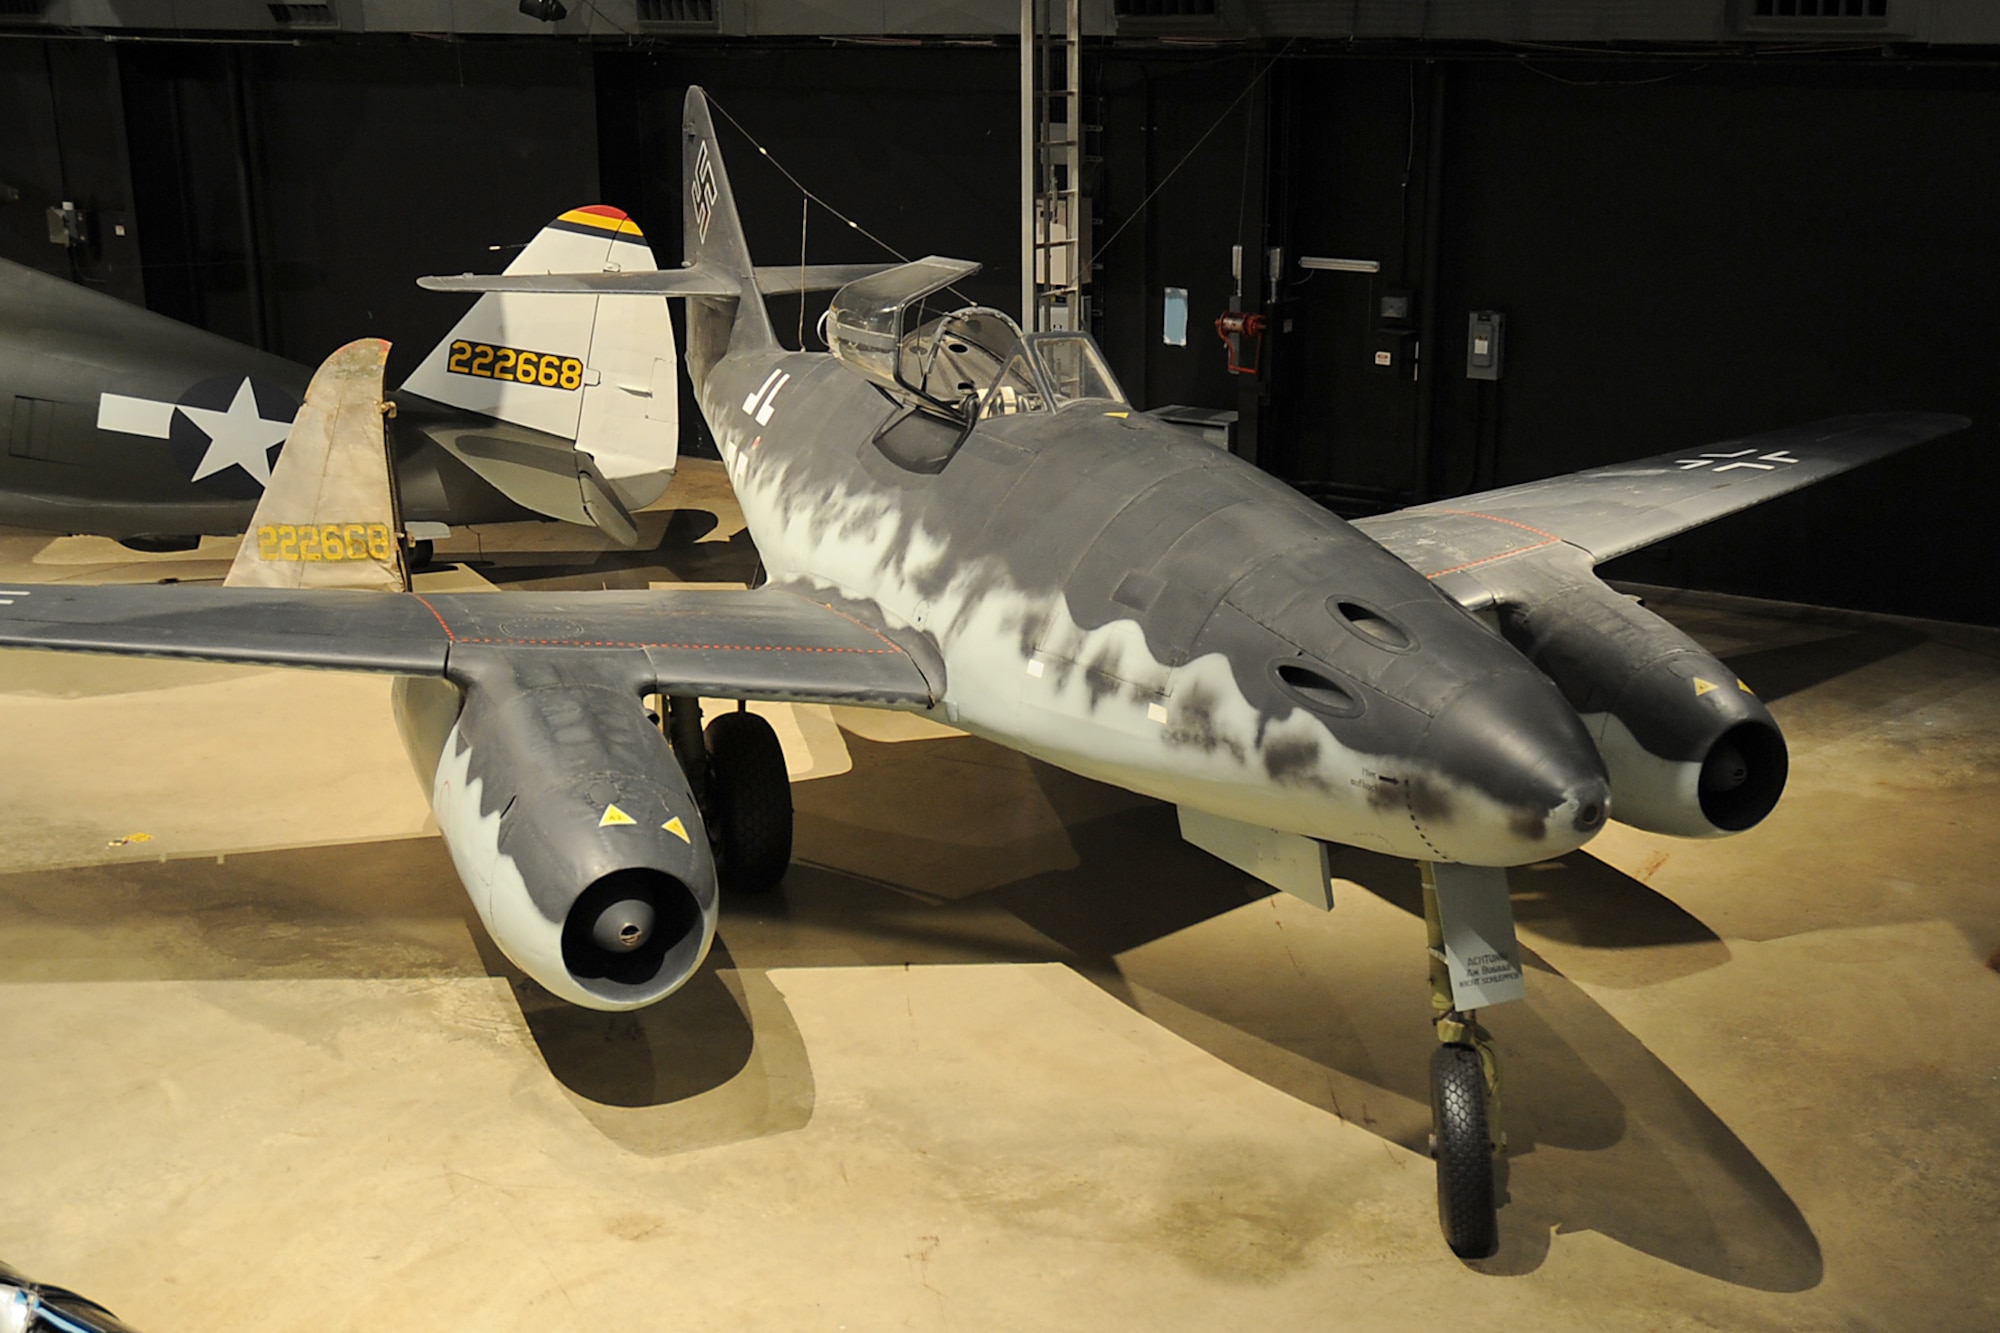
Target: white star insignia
x,y
240,437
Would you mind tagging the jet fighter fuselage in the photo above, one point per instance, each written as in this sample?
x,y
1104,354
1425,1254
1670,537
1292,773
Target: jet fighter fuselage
x,y
1117,597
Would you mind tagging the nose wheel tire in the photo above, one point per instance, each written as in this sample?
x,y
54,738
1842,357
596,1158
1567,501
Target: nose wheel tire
x,y
1463,1148
749,802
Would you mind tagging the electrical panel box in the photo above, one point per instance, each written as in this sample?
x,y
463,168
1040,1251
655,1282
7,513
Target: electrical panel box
x,y
1485,336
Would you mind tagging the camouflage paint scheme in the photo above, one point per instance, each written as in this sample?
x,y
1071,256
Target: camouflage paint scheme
x,y
1450,684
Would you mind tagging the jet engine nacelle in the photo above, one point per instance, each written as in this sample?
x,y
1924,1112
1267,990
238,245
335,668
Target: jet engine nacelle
x,y
1689,749
572,827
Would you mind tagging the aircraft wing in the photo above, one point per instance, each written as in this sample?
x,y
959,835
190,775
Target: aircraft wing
x,y
1480,548
771,644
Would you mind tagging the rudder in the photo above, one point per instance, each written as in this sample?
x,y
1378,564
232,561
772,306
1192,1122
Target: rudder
x,y
328,519
712,237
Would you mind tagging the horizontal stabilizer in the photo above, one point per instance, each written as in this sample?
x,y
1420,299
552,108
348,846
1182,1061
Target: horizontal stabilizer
x,y
696,280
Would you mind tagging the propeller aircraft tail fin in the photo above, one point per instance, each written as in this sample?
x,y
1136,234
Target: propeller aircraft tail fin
x,y
599,371
328,519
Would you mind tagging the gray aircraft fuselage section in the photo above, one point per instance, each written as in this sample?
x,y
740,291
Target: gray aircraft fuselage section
x,y
1079,525
63,347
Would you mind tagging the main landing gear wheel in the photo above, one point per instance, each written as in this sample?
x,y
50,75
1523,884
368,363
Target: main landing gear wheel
x,y
750,802
1463,1146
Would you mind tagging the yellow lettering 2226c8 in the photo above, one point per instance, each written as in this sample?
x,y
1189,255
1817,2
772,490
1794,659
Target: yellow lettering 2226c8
x,y
324,541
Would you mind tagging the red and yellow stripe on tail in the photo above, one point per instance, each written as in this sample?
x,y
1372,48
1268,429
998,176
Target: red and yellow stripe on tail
x,y
600,220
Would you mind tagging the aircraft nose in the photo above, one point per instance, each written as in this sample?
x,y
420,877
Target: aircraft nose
x,y
1534,784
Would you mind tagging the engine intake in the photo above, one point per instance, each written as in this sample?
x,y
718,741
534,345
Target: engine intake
x,y
1689,749
1743,776
629,928
572,827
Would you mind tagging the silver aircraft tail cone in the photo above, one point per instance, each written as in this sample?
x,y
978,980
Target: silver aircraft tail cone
x,y
1513,775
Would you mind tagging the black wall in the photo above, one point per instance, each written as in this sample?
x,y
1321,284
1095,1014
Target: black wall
x,y
62,138
1685,252
1682,254
293,195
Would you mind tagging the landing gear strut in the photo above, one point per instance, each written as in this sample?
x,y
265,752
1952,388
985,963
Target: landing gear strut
x,y
736,770
749,798
1466,1134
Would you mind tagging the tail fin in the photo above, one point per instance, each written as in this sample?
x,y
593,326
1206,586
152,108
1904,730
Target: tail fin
x,y
712,235
328,519
598,371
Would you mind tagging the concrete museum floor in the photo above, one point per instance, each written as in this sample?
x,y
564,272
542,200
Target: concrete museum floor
x,y
1001,1053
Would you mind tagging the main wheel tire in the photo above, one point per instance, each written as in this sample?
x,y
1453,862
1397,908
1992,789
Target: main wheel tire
x,y
750,802
1464,1152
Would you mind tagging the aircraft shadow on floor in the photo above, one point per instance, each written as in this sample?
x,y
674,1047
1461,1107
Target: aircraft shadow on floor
x,y
1331,1009
1795,667
679,554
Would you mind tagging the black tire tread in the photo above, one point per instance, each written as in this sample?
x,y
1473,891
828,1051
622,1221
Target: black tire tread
x,y
750,802
1464,1153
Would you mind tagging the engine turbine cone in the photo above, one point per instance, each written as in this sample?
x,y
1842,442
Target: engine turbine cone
x,y
624,926
1726,769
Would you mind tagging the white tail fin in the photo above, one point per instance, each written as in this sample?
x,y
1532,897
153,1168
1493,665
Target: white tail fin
x,y
600,372
328,518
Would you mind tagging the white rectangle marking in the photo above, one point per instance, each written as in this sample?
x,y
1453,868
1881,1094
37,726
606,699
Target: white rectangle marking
x,y
770,404
134,416
1479,944
751,404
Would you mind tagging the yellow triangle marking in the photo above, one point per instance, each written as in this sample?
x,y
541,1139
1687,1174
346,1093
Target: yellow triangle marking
x,y
678,829
1702,687
613,815
1746,689
1120,415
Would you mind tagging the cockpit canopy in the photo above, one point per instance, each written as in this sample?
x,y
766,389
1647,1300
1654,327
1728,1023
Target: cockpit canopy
x,y
969,364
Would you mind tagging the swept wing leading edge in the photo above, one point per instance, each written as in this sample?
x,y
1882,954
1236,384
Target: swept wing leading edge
x,y
770,644
1481,549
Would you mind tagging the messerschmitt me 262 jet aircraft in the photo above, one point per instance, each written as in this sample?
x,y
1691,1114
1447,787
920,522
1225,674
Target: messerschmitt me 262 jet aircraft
x,y
964,521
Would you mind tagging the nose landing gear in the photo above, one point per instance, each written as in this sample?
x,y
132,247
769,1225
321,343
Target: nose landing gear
x,y
1475,960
